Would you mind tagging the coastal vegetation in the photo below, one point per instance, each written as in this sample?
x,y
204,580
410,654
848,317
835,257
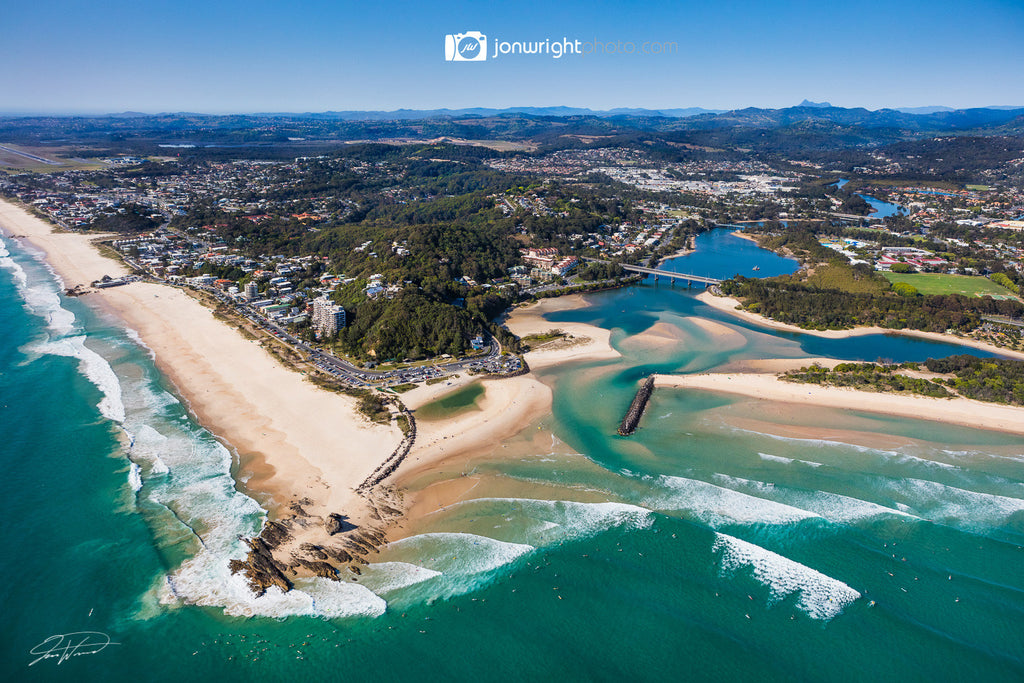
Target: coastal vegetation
x,y
869,377
828,308
993,380
984,379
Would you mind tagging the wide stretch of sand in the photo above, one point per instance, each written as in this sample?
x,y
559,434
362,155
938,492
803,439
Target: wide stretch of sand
x,y
729,305
769,387
294,440
507,406
588,342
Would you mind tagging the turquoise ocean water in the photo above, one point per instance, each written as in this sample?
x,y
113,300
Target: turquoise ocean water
x,y
728,543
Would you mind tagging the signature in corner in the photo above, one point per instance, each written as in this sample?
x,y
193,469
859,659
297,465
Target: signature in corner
x,y
64,647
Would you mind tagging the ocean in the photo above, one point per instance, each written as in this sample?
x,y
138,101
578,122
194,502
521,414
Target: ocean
x,y
725,540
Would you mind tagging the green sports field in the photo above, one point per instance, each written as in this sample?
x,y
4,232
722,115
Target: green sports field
x,y
938,283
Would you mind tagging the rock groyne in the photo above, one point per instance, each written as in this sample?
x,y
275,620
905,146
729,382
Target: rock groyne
x,y
636,408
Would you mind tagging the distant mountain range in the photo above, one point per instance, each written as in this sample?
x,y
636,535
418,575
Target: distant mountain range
x,y
810,125
409,114
936,118
756,116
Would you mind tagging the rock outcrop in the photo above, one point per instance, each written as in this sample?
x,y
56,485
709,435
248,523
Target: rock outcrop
x,y
260,568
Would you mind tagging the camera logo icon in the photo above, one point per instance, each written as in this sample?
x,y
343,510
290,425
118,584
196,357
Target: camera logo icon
x,y
470,46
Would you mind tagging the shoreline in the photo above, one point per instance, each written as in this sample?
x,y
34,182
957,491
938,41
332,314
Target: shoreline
x,y
509,406
728,305
685,251
300,450
768,387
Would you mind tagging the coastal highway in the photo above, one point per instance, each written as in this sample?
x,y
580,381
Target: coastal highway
x,y
350,373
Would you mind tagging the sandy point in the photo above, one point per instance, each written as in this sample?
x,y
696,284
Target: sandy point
x,y
768,387
587,343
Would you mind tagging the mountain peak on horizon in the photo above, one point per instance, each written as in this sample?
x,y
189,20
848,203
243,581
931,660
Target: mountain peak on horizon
x,y
820,105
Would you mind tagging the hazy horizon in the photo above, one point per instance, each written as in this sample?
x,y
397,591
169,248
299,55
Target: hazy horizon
x,y
286,112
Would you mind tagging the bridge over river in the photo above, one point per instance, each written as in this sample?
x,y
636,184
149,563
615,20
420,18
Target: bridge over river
x,y
659,273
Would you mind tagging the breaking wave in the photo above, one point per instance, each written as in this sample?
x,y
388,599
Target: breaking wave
x,y
821,596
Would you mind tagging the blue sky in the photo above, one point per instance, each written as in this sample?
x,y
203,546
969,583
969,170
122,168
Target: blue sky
x,y
261,56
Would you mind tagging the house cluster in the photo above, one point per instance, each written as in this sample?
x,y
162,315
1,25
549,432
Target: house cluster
x,y
531,204
547,262
566,162
667,180
377,287
884,258
918,259
626,237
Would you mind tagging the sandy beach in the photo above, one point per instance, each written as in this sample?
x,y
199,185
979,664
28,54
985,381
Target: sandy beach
x,y
588,342
728,305
507,407
685,251
294,440
768,387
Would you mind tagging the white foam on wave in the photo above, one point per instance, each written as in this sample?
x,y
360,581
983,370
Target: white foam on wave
x,y
462,563
927,462
315,597
897,455
9,264
717,505
821,443
43,300
950,504
460,553
135,337
775,458
554,521
159,467
832,506
135,477
974,455
387,577
768,457
147,445
95,368
821,596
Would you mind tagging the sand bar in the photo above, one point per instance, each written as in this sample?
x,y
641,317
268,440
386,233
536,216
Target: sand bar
x,y
508,405
589,343
769,387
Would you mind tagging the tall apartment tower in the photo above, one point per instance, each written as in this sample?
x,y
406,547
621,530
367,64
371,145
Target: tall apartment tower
x,y
328,318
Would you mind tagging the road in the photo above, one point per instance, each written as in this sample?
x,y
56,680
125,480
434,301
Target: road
x,y
338,367
352,374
